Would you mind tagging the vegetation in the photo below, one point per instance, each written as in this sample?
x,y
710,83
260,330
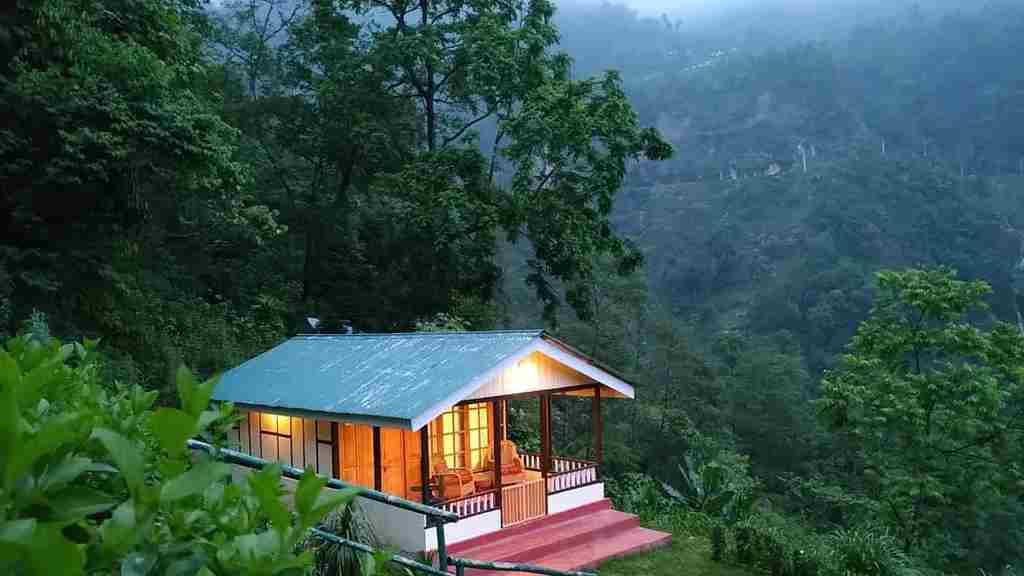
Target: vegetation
x,y
94,480
820,392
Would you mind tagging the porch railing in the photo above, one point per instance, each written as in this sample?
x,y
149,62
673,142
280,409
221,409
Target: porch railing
x,y
523,501
573,478
566,474
471,505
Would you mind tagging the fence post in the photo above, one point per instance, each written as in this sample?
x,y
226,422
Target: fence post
x,y
442,549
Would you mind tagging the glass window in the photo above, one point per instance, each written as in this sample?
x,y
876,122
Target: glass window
x,y
462,435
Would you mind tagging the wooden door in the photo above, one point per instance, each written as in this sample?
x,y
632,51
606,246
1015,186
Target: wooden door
x,y
412,463
392,456
357,454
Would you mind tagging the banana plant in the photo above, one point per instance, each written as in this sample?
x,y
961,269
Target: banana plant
x,y
706,488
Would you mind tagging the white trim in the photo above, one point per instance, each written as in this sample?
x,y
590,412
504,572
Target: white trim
x,y
465,529
461,394
575,498
538,344
572,361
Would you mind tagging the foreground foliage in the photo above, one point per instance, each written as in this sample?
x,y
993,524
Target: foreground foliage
x,y
94,480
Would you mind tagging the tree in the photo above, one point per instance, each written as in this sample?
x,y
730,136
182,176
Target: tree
x,y
932,405
567,142
106,132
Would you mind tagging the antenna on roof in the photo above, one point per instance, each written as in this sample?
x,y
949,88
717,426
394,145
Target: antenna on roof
x,y
313,323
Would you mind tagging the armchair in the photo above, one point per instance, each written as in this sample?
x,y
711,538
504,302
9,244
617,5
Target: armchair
x,y
452,483
512,469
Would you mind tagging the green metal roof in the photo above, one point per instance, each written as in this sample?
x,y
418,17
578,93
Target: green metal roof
x,y
381,378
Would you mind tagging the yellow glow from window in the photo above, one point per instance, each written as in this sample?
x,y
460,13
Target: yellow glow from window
x,y
268,422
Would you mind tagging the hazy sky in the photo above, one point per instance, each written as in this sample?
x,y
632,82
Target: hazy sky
x,y
711,8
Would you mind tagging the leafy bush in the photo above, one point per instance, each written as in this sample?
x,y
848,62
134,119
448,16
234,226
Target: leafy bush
x,y
785,547
93,479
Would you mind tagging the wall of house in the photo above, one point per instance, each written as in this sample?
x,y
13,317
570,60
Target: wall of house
x,y
575,498
465,529
395,526
298,442
536,372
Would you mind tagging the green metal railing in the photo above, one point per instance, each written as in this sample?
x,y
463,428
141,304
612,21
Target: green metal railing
x,y
462,563
436,518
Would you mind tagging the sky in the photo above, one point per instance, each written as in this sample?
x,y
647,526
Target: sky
x,y
700,9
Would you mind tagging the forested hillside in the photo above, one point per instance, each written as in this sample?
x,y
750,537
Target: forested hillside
x,y
798,228
817,147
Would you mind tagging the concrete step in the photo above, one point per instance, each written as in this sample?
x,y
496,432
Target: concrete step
x,y
572,540
547,537
458,548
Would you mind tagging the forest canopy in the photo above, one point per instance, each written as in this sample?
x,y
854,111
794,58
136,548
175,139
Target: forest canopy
x,y
799,228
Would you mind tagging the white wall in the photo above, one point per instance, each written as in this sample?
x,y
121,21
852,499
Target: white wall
x,y
536,372
575,498
465,529
395,526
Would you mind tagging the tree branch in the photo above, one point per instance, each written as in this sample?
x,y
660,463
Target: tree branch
x,y
465,127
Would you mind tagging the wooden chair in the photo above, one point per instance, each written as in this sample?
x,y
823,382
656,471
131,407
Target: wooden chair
x,y
452,483
512,469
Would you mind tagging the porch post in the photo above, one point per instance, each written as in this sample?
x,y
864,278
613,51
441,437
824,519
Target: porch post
x,y
496,450
425,463
545,434
598,427
378,466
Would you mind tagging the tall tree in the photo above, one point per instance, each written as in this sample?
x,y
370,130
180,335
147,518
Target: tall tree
x,y
933,405
566,142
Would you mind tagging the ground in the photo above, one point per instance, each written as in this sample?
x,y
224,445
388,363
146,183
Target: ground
x,y
686,555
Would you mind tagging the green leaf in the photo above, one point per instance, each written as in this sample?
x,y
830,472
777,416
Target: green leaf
x,y
51,553
10,420
258,546
266,487
127,456
208,417
120,532
18,532
67,470
51,436
195,397
138,564
172,428
194,481
329,501
307,492
188,566
79,501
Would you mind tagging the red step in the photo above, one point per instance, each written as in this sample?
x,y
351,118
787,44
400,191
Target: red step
x,y
590,554
545,538
571,540
458,548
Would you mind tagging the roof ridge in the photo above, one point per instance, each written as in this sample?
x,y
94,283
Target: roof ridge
x,y
536,331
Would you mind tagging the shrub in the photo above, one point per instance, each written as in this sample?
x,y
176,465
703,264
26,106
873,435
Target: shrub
x,y
784,547
93,479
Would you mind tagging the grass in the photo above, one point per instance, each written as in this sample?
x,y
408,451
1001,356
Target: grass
x,y
687,555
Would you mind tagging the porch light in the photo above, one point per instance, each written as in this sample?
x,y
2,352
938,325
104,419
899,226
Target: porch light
x,y
524,376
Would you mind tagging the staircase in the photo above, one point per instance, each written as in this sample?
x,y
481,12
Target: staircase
x,y
572,540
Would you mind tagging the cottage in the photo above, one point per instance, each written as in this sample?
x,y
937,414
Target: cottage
x,y
423,416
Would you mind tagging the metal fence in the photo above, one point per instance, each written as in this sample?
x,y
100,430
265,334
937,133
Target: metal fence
x,y
436,518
